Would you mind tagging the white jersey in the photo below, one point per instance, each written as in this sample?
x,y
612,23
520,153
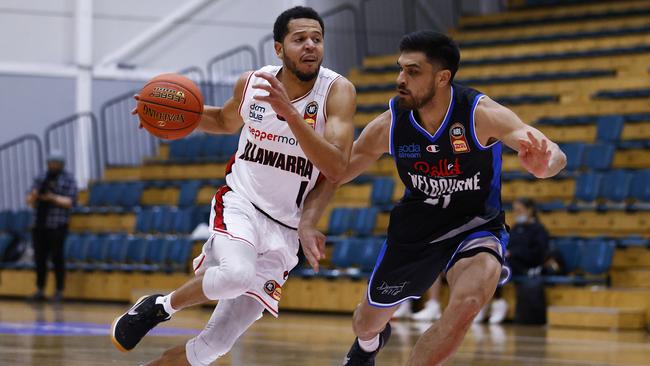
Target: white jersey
x,y
270,169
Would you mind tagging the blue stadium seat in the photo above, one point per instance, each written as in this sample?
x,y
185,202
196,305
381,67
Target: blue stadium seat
x,y
4,220
364,221
184,221
131,195
345,258
228,147
615,188
569,249
574,153
371,247
193,149
210,146
599,156
609,128
188,193
115,253
144,220
97,253
596,256
634,241
19,222
135,254
178,149
382,191
161,218
70,245
155,256
588,186
113,193
340,220
178,255
640,191
98,193
77,252
345,252
5,240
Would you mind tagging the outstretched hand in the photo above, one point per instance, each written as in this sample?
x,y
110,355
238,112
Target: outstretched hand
x,y
313,245
277,97
534,156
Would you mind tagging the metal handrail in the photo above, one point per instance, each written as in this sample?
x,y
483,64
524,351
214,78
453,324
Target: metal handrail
x,y
49,130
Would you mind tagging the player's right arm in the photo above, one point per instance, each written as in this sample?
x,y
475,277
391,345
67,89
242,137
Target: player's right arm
x,y
226,119
373,142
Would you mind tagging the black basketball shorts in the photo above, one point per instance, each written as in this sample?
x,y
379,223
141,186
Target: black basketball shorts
x,y
407,271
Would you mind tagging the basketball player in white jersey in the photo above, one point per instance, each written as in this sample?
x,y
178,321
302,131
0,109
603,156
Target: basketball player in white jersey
x,y
297,125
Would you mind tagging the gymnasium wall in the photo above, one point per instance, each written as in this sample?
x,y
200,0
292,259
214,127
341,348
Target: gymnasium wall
x,y
35,32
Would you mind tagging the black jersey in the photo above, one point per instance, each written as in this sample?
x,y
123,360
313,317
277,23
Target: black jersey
x,y
453,183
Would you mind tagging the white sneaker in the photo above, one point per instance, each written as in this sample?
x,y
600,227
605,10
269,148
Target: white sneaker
x,y
481,315
498,311
404,310
430,312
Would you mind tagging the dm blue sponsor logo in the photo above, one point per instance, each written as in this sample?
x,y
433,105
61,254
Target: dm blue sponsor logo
x,y
411,151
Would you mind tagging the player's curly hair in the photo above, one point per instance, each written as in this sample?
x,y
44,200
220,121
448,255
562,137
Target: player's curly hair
x,y
281,26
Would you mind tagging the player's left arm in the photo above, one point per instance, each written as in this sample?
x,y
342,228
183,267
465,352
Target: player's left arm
x,y
539,155
331,154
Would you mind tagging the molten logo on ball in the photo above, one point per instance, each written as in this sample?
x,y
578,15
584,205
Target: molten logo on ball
x,y
168,93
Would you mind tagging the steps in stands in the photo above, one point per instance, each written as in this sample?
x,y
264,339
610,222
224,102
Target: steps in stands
x,y
596,317
631,278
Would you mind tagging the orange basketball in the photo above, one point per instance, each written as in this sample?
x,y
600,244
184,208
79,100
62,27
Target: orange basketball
x,y
170,106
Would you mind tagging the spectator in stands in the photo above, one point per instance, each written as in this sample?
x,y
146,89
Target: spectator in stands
x,y
528,246
527,251
51,196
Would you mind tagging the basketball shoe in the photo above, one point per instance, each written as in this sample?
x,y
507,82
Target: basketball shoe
x,y
129,328
358,357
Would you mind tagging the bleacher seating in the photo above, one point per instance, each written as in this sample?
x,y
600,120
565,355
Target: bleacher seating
x,y
578,74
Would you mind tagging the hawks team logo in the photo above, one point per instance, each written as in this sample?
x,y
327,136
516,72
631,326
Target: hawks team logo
x,y
273,289
458,141
311,110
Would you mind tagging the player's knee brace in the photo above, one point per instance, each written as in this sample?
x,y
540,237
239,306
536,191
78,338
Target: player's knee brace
x,y
228,280
229,321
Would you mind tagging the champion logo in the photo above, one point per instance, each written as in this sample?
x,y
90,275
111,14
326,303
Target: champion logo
x,y
433,148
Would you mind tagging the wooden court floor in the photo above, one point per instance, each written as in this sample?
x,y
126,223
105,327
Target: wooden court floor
x,y
75,334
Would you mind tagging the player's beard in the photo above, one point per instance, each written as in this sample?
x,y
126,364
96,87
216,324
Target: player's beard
x,y
411,102
291,66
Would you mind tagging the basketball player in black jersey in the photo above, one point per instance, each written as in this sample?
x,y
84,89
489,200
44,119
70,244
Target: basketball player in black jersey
x,y
446,140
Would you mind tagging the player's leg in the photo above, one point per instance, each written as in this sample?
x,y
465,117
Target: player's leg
x,y
228,322
230,272
472,282
370,325
401,273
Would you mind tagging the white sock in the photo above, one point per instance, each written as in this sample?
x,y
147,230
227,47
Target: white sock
x,y
370,345
166,302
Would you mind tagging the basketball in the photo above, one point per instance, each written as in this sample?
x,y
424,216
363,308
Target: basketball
x,y
170,106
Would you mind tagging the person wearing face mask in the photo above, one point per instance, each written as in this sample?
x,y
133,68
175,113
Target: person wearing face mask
x,y
52,196
528,244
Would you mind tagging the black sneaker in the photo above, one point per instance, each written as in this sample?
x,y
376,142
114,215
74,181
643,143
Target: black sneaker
x,y
38,296
129,328
358,357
